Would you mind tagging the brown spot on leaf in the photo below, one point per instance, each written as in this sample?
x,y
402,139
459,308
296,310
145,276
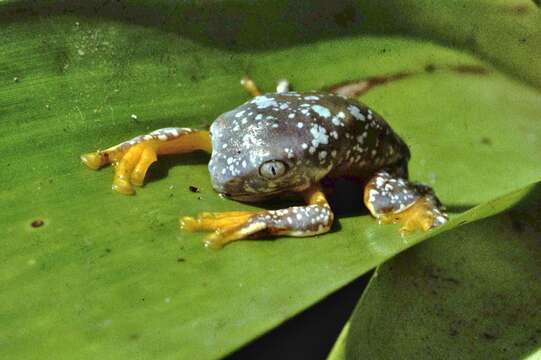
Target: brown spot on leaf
x,y
193,189
359,87
354,88
520,9
486,141
430,68
37,223
470,69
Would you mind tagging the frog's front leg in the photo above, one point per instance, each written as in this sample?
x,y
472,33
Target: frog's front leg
x,y
132,158
314,218
392,199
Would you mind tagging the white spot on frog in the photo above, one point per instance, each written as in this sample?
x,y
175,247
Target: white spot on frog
x,y
263,102
356,112
289,152
320,135
239,114
336,120
250,140
300,125
321,111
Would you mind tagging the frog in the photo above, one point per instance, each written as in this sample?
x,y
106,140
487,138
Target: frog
x,y
280,144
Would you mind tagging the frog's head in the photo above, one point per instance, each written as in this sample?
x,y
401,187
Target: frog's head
x,y
255,161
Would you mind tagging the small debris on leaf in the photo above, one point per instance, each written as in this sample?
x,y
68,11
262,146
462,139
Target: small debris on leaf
x,y
37,223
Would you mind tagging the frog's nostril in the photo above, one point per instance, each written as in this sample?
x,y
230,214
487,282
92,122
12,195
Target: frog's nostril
x,y
227,194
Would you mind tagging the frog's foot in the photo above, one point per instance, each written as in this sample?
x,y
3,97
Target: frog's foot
x,y
250,86
298,221
393,199
132,158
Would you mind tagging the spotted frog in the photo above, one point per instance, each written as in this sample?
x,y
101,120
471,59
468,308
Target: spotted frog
x,y
283,143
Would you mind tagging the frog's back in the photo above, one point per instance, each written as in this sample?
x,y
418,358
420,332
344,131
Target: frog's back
x,y
319,134
364,141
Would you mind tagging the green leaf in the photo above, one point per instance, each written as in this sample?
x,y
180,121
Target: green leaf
x,y
108,276
471,293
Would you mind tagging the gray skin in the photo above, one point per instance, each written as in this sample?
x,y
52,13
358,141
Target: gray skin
x,y
315,135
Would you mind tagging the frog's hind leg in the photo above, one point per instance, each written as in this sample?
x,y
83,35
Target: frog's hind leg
x,y
132,158
314,218
393,199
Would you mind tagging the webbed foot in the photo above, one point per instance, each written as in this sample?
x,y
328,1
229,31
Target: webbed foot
x,y
392,200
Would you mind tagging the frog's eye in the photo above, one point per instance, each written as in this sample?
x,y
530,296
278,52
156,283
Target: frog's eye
x,y
272,169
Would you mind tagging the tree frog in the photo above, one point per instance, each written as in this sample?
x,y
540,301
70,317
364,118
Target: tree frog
x,y
282,143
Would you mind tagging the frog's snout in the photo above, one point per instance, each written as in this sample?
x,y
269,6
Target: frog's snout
x,y
227,187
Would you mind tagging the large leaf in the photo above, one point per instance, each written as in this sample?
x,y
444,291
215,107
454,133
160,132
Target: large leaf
x,y
471,293
112,276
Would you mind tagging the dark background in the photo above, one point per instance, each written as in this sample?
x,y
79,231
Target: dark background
x,y
312,333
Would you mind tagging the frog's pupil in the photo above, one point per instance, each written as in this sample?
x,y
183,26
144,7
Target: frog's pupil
x,y
273,170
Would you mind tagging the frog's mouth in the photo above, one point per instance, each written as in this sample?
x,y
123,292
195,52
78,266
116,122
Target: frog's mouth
x,y
252,197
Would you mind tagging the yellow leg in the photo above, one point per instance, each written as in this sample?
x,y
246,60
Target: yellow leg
x,y
315,218
132,158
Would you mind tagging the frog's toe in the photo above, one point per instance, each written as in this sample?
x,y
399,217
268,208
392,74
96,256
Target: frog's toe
x,y
222,236
131,169
424,214
148,157
94,160
226,226
209,221
395,200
